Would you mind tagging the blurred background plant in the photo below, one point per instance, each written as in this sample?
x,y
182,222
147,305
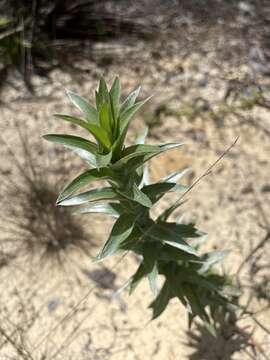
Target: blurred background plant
x,y
36,36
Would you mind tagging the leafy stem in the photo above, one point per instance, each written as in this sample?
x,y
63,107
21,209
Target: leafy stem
x,y
169,250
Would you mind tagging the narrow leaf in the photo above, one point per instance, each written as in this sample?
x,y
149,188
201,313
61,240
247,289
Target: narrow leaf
x,y
100,134
136,151
141,136
72,141
137,195
152,278
126,116
103,91
83,179
121,230
170,253
168,235
84,155
74,120
137,278
148,267
212,258
112,209
167,212
103,160
175,176
115,96
133,162
156,191
132,241
105,193
150,257
130,100
143,173
98,100
82,104
194,302
161,301
104,118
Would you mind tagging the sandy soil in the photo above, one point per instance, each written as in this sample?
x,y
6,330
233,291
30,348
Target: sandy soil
x,y
229,204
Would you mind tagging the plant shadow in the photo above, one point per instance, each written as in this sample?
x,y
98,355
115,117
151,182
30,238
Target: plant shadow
x,y
230,339
32,226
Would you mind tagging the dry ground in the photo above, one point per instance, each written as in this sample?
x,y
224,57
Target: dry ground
x,y
201,86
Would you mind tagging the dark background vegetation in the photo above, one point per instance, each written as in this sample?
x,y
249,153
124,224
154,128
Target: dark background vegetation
x,y
37,36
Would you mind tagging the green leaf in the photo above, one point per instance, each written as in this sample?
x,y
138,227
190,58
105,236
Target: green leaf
x,y
157,190
103,92
103,160
84,155
145,178
100,134
115,97
112,209
167,212
211,328
161,301
150,257
121,230
185,230
168,183
152,278
143,175
118,146
138,159
181,244
132,241
130,100
74,120
126,116
137,195
175,176
137,278
106,193
135,151
148,267
82,104
194,302
170,253
98,100
212,258
193,277
168,235
176,282
141,136
72,141
104,118
85,178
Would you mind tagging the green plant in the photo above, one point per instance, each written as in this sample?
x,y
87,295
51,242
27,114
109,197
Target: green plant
x,y
167,249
